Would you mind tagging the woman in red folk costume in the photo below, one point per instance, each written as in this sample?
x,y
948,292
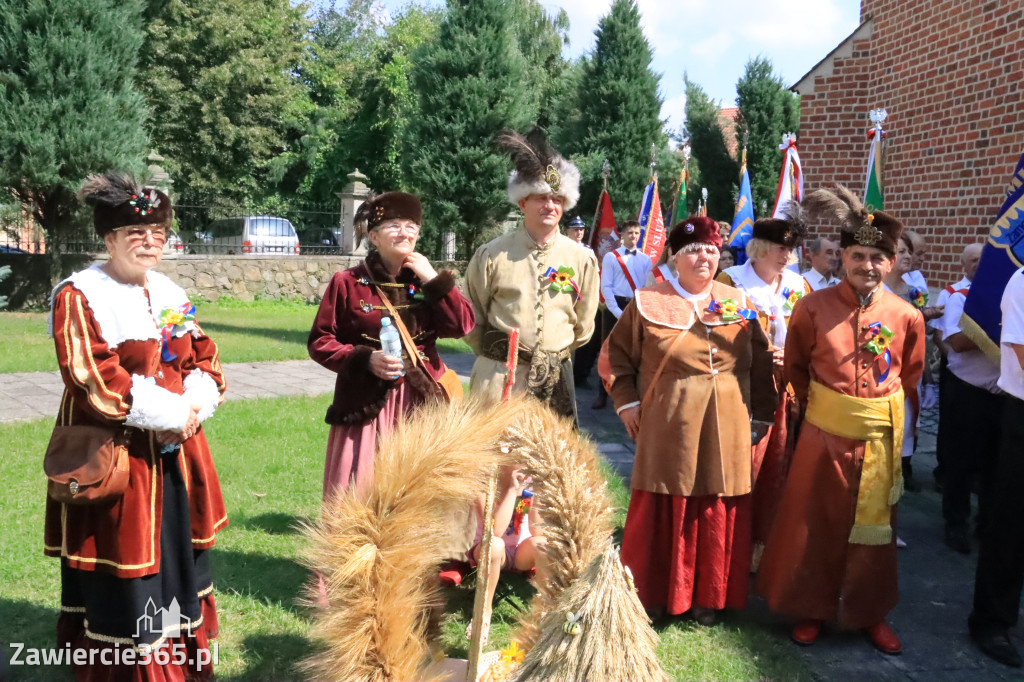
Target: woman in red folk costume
x,y
371,393
773,289
135,574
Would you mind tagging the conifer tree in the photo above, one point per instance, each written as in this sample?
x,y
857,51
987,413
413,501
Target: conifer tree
x,y
469,83
68,106
719,172
767,110
620,105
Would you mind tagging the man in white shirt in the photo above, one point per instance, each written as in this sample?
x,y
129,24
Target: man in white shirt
x,y
623,271
1000,572
823,255
969,259
970,401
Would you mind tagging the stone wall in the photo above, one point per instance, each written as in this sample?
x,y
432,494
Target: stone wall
x,y
245,277
208,276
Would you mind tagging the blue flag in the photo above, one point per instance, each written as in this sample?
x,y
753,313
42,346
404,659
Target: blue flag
x,y
743,220
1003,255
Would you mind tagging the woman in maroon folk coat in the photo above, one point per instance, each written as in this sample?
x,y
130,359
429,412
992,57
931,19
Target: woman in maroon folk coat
x,y
135,574
370,394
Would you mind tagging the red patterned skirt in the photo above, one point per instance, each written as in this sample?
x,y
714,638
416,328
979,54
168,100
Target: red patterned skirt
x,y
688,551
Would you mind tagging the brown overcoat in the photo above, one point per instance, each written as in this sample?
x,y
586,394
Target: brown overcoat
x,y
695,428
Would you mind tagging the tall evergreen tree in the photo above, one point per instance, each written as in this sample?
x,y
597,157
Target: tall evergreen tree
x,y
541,38
619,106
719,172
469,84
767,110
220,76
67,103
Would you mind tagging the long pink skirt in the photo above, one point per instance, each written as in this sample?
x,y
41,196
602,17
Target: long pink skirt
x,y
350,448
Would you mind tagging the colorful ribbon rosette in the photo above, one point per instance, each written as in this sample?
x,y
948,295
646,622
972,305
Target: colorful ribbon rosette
x,y
731,311
522,508
169,319
919,297
879,339
791,296
562,280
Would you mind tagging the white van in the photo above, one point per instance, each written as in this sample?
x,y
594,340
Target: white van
x,y
264,235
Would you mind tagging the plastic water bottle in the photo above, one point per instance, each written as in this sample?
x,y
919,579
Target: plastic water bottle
x,y
390,340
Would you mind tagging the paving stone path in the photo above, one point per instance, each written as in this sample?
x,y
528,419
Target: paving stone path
x,y
935,583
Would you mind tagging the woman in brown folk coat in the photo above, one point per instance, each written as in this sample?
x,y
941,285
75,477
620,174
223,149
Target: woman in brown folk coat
x,y
689,371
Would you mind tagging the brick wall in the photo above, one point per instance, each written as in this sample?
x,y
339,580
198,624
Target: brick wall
x,y
950,75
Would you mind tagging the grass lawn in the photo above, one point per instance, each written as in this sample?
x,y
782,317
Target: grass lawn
x,y
269,455
244,331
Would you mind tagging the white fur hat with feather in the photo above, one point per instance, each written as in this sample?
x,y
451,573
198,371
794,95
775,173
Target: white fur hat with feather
x,y
539,169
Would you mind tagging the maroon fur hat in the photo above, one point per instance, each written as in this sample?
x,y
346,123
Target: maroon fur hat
x,y
693,230
119,201
387,206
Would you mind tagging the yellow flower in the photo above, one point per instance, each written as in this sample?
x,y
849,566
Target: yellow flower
x,y
513,654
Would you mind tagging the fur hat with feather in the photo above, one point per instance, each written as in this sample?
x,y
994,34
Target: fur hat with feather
x,y
858,224
118,200
788,230
539,169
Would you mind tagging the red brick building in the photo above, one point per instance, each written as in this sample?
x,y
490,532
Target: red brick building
x,y
950,75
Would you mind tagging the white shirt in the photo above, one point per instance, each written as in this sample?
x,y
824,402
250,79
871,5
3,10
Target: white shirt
x,y
667,270
613,280
915,279
1011,376
766,298
816,280
941,299
972,366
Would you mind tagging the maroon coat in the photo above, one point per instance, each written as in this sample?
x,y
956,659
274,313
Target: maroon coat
x,y
347,330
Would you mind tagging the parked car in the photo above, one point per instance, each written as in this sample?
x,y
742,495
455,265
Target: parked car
x,y
173,247
322,241
265,235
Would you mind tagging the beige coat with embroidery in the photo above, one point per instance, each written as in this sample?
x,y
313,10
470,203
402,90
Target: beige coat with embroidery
x,y
507,284
695,427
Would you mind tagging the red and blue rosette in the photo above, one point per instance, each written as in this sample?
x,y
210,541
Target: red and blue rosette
x,y
562,280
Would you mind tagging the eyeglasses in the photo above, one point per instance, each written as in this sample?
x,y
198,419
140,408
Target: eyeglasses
x,y
395,229
137,233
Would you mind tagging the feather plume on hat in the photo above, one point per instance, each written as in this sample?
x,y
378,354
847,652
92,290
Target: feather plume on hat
x,y
858,225
539,168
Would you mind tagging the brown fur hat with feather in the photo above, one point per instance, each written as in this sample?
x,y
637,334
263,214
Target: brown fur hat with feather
x,y
858,225
539,169
118,201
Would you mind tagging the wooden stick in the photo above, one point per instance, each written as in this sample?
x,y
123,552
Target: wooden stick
x,y
483,570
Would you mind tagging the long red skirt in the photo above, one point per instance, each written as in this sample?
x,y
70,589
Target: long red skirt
x,y
770,468
187,658
688,551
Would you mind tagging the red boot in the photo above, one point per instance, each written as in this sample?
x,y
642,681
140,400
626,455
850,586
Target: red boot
x,y
884,639
805,632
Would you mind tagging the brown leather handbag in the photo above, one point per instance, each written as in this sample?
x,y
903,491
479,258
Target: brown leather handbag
x,y
449,382
86,464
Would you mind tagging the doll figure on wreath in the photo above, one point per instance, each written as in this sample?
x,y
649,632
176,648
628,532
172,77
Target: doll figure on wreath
x,y
516,540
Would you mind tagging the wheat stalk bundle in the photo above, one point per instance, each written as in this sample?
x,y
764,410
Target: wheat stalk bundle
x,y
378,550
599,632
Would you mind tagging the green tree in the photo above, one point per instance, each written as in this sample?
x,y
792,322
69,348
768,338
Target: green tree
x,y
68,106
767,110
541,38
468,82
718,172
619,105
221,77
